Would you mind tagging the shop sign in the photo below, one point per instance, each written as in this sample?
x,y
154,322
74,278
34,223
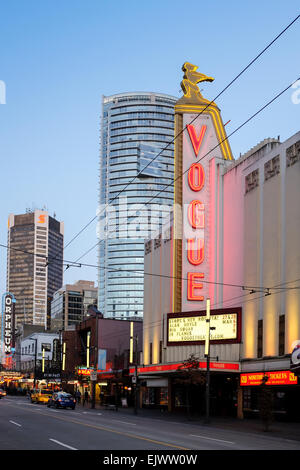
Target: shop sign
x,y
84,371
190,327
221,366
285,377
102,359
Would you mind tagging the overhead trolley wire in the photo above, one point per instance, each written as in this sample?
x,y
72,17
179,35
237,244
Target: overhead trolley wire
x,y
173,140
244,287
197,161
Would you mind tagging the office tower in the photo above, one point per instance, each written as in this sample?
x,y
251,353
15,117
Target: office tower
x,y
135,127
71,303
29,279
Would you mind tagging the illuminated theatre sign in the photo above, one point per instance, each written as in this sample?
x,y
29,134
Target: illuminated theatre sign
x,y
190,327
8,323
201,141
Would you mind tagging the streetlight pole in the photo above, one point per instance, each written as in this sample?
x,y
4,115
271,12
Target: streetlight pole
x,y
35,355
95,365
136,376
207,354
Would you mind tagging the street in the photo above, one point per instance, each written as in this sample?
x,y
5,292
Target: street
x,y
27,426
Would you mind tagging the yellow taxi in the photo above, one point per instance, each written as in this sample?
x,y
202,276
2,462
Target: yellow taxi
x,y
41,395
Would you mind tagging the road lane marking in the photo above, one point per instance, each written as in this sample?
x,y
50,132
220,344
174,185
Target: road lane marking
x,y
212,439
103,428
62,444
124,422
17,424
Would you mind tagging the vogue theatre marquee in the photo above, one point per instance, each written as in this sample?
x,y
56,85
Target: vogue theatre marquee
x,y
190,327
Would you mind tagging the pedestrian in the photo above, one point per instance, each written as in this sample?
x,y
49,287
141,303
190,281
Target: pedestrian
x,y
78,396
85,397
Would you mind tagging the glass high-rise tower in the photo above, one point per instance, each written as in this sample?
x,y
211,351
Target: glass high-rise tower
x,y
135,127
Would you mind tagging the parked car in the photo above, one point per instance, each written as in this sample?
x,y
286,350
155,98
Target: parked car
x,y
41,395
62,400
2,393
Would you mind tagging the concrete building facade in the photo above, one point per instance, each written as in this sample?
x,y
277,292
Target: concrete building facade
x,y
34,264
71,302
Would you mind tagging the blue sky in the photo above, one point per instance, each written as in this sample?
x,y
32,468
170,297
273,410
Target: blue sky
x,y
59,57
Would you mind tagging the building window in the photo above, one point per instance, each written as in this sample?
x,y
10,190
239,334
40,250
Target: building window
x,y
150,354
260,338
281,335
293,154
272,167
251,181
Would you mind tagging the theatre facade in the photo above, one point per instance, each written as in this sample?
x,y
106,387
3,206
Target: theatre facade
x,y
233,239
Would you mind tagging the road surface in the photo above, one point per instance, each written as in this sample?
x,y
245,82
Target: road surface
x,y
27,426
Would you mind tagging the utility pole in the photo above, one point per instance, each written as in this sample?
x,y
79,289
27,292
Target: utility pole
x,y
207,354
35,355
136,376
95,366
133,353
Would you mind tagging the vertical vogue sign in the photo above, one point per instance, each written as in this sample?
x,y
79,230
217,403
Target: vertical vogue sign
x,y
8,323
195,199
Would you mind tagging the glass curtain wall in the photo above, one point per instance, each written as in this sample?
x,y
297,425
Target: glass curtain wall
x,y
135,127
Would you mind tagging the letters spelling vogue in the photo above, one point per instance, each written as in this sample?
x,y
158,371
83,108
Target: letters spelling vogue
x,y
8,325
196,219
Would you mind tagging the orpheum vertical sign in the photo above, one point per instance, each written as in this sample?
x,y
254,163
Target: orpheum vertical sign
x,y
8,323
201,144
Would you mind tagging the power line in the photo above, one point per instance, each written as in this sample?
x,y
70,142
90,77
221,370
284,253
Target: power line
x,y
173,140
156,323
69,263
197,161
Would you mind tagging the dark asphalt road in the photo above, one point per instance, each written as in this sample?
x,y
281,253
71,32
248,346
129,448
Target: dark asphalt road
x,y
27,426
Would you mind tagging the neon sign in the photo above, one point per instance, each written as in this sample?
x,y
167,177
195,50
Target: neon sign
x,y
8,323
196,141
201,147
196,218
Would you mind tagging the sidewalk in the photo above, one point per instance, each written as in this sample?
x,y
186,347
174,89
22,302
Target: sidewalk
x,y
283,430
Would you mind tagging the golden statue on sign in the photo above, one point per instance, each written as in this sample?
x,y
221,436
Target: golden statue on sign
x,y
190,80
